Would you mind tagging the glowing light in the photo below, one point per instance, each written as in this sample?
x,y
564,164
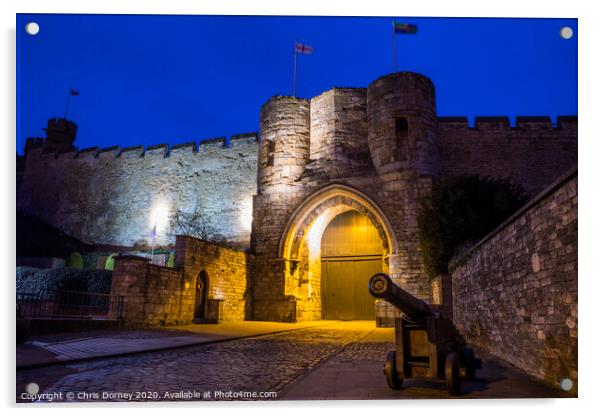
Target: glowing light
x,y
314,235
246,214
159,217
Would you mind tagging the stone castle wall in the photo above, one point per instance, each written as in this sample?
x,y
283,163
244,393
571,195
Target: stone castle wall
x,y
119,189
157,295
114,196
522,281
532,154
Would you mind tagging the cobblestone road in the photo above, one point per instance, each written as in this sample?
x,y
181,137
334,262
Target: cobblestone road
x,y
262,364
333,361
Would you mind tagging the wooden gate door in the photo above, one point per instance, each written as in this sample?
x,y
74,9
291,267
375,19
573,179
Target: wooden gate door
x,y
345,293
351,253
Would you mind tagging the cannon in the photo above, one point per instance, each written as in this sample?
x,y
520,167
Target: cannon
x,y
427,345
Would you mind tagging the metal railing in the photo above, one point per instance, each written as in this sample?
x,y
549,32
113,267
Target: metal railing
x,y
69,303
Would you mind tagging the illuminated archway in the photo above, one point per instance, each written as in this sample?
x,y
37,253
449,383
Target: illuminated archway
x,y
300,243
321,207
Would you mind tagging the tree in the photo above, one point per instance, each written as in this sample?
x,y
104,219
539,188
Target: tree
x,y
462,210
192,224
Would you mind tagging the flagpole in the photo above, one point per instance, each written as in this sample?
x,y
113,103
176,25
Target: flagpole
x,y
394,50
68,100
295,71
153,244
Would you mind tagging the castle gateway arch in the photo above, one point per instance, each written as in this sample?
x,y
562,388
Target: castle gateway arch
x,y
333,242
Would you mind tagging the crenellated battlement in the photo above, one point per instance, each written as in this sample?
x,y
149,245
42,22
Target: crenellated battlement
x,y
532,152
502,123
36,148
216,176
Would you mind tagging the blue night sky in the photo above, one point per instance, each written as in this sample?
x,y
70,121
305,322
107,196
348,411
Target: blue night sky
x,y
173,79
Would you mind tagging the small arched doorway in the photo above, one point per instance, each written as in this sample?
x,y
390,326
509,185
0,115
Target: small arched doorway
x,y
351,252
200,302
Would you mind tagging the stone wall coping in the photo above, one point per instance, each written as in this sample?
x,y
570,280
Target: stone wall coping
x,y
110,149
159,267
243,138
235,141
333,90
401,74
93,150
157,146
289,98
132,148
213,143
191,145
132,152
564,178
189,237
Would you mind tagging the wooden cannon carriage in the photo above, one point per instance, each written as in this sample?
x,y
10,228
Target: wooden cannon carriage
x,y
427,345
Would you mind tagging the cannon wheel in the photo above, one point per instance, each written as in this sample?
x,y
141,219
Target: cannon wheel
x,y
391,373
452,373
470,363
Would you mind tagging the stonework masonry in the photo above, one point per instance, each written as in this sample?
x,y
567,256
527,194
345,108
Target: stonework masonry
x,y
114,196
375,150
156,295
533,153
515,292
386,145
228,272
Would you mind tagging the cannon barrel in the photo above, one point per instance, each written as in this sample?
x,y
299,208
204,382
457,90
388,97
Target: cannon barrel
x,y
381,286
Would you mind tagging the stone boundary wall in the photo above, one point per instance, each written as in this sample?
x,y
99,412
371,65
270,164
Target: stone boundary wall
x,y
228,271
532,154
152,295
157,295
515,292
112,196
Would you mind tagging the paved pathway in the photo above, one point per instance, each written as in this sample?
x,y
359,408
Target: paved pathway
x,y
357,373
96,344
103,347
340,360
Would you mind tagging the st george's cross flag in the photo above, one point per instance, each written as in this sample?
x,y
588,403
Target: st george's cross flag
x,y
303,49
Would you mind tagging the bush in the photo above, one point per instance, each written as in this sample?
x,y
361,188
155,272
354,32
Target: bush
x,y
30,280
75,261
462,210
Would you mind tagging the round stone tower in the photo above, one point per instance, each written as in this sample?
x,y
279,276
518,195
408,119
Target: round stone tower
x,y
284,141
402,125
